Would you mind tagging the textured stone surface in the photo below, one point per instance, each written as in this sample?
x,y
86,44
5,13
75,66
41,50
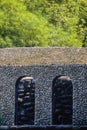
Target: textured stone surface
x,y
38,55
43,76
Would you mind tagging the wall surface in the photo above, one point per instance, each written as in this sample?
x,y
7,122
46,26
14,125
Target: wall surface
x,y
39,56
43,75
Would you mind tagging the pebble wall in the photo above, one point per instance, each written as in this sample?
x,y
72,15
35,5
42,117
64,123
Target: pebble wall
x,y
43,76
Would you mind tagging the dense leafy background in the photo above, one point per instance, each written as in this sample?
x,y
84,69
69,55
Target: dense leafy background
x,y
43,23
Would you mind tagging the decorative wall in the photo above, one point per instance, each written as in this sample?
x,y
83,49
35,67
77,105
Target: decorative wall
x,y
43,76
43,64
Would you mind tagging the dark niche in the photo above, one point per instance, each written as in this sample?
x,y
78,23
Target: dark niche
x,y
62,101
25,101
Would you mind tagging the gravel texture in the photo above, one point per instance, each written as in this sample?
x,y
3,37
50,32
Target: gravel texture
x,y
43,64
43,76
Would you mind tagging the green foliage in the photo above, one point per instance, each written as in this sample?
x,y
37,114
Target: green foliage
x,y
43,23
83,21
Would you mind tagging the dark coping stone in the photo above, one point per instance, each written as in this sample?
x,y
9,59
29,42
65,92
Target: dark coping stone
x,y
35,127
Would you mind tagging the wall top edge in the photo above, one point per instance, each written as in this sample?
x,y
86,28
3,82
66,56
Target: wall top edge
x,y
50,65
42,55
